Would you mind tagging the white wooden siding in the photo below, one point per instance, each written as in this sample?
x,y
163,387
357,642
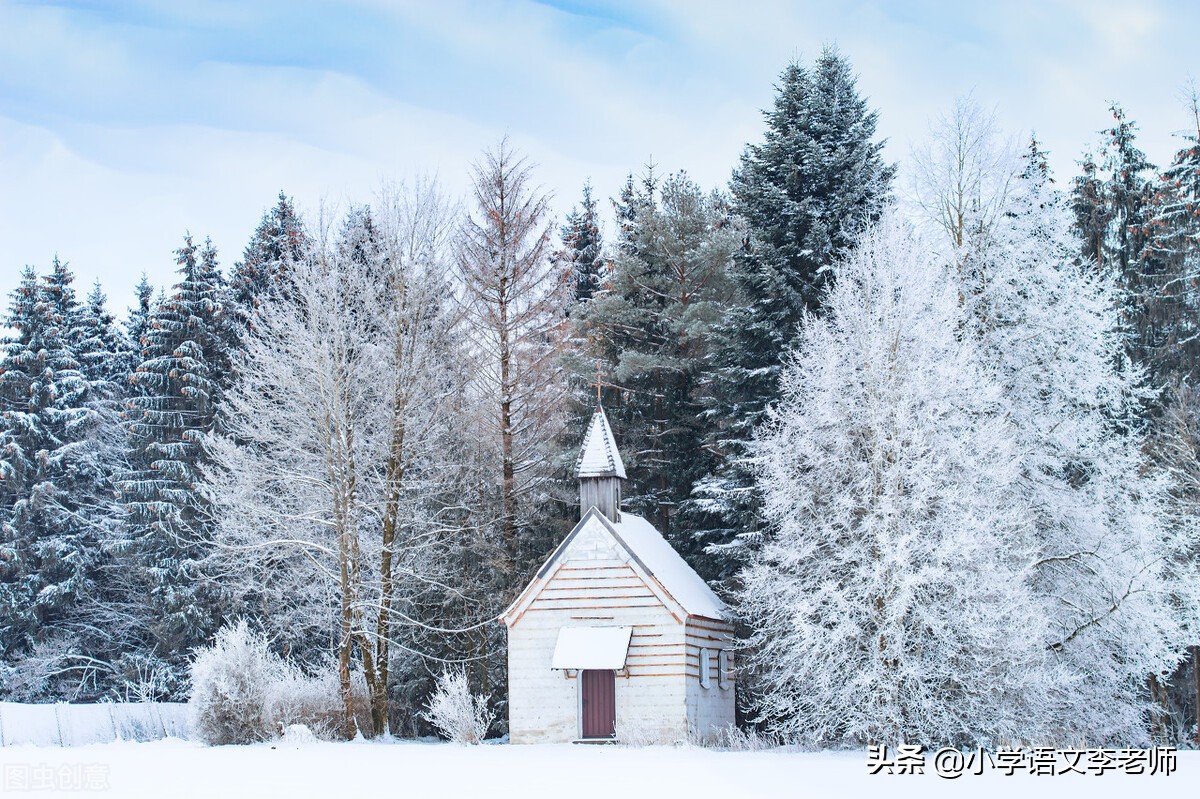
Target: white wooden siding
x,y
708,709
596,583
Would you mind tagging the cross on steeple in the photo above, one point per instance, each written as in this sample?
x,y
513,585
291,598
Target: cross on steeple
x,y
599,382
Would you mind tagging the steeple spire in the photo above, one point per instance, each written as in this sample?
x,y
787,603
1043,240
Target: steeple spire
x,y
599,469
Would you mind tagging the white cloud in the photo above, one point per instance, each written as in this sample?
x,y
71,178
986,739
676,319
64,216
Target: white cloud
x,y
117,133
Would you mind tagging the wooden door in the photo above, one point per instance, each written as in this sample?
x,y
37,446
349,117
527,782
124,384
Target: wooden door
x,y
599,703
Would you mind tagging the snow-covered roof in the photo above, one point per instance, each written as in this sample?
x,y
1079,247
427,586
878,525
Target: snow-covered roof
x,y
599,457
651,553
670,569
591,648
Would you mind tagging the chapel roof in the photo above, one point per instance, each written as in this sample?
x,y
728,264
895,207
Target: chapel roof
x,y
661,559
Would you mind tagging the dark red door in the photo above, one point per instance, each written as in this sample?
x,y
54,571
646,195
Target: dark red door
x,y
599,703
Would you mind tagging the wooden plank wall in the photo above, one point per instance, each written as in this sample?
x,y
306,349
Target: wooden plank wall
x,y
595,586
713,708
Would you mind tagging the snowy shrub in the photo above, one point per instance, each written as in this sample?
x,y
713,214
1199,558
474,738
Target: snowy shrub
x,y
243,692
296,699
459,715
232,685
298,734
144,678
27,677
735,739
641,733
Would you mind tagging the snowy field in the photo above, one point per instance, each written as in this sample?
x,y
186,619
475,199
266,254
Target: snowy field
x,y
175,768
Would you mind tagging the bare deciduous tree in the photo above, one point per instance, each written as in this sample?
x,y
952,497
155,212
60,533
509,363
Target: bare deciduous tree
x,y
514,298
340,447
961,176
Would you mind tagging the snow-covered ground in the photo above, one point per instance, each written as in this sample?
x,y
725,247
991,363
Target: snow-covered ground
x,y
175,768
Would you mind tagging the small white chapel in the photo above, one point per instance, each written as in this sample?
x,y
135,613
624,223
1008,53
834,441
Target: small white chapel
x,y
616,635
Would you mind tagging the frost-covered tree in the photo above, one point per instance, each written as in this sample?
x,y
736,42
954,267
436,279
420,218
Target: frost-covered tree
x,y
1109,571
1176,447
888,598
804,190
962,175
303,424
337,481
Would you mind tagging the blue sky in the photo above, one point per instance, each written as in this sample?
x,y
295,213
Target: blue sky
x,y
125,124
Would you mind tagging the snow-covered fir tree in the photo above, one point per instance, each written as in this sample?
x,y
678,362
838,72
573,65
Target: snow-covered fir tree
x,y
1170,264
56,497
816,177
1110,201
105,352
888,599
1087,205
1125,192
177,388
582,254
278,240
137,320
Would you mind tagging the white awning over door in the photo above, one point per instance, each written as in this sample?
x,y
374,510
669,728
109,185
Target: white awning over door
x,y
591,648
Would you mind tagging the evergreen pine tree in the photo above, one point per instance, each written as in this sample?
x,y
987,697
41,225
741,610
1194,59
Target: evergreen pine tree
x,y
1125,193
46,462
1087,204
1109,202
58,294
1171,263
583,248
177,390
653,326
137,322
816,177
625,207
278,239
105,352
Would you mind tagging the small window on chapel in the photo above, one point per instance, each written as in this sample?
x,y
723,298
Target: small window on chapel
x,y
723,675
705,668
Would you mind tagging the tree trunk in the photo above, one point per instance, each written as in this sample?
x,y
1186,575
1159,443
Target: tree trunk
x,y
1158,717
394,476
345,643
339,448
508,476
1196,688
383,624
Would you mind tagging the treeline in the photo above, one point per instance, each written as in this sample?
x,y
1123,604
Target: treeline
x,y
360,437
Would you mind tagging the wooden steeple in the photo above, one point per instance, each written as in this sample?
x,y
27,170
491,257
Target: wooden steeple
x,y
599,469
